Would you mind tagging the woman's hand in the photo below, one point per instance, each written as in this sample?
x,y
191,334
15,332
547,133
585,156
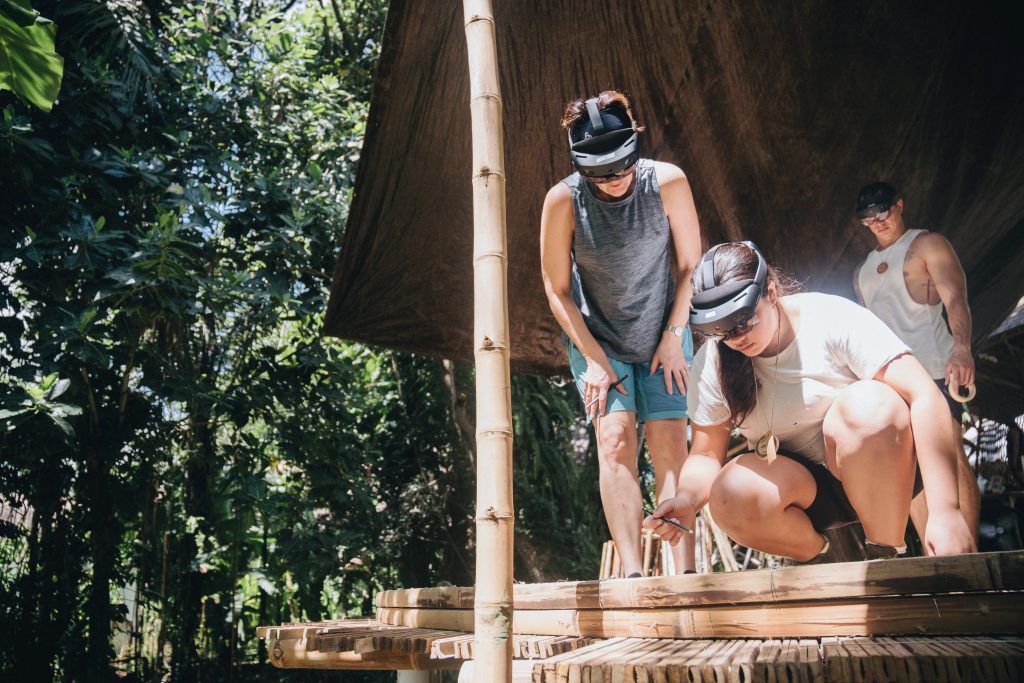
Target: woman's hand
x,y
669,355
680,509
596,382
947,533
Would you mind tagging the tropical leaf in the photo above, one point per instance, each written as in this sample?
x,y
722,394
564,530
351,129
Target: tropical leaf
x,y
29,66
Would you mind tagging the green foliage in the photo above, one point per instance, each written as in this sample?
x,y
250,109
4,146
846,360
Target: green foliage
x,y
28,64
196,457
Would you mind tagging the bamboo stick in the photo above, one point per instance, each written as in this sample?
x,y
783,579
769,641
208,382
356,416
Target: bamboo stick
x,y
965,614
647,537
706,549
725,550
979,572
494,511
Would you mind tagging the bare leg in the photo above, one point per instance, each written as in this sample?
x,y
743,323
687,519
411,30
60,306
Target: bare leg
x,y
761,505
970,497
620,488
870,448
666,441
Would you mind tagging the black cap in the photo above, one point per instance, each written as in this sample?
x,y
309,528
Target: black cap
x,y
875,198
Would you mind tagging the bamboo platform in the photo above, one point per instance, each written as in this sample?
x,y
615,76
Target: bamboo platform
x,y
911,620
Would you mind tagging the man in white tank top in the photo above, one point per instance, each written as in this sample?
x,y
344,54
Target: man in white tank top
x,y
907,280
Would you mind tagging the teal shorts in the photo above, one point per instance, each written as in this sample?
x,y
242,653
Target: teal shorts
x,y
647,397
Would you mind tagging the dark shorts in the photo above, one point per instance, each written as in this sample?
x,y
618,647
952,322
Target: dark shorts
x,y
956,408
831,508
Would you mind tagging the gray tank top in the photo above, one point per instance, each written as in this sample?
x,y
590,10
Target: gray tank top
x,y
622,280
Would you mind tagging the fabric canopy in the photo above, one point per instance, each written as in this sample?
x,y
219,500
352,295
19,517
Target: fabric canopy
x,y
777,110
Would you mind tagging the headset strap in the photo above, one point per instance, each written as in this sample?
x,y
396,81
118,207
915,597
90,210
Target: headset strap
x,y
707,269
707,265
595,116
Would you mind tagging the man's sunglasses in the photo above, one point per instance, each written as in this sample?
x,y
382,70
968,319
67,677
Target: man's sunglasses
x,y
876,217
743,328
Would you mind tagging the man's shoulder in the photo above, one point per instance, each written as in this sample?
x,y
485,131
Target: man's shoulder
x,y
929,242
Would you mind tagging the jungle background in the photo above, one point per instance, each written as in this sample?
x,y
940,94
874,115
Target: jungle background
x,y
183,455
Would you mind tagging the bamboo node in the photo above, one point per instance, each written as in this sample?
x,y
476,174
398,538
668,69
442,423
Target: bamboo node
x,y
478,17
492,515
488,174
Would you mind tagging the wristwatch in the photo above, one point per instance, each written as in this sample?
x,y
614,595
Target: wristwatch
x,y
678,331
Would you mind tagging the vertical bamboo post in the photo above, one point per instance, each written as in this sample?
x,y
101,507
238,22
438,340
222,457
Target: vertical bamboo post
x,y
494,512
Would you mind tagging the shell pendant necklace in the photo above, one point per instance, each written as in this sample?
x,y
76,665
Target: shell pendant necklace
x,y
767,447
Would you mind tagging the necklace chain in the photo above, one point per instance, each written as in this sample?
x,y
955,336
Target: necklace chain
x,y
765,442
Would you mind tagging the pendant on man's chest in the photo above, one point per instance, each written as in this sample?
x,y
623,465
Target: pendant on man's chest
x,y
882,267
767,447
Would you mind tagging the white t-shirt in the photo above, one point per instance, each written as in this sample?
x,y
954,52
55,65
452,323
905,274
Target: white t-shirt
x,y
837,343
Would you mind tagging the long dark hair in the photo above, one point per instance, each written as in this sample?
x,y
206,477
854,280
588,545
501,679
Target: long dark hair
x,y
734,262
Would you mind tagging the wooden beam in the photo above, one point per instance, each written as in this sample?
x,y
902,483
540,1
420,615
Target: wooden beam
x,y
297,631
994,613
935,575
292,654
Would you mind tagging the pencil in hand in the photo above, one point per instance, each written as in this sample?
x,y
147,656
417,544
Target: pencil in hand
x,y
610,387
667,521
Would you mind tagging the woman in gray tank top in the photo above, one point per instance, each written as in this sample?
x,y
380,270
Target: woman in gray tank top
x,y
619,239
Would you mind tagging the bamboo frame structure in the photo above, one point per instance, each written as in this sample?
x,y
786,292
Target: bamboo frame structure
x,y
494,511
357,644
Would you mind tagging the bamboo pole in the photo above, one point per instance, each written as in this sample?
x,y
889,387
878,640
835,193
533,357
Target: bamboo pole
x,y
996,573
494,511
919,614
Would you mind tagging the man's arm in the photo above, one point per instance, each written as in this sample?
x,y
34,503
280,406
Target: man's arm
x,y
935,443
856,284
677,199
947,276
556,232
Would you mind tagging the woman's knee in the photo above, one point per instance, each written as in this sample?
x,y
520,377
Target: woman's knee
x,y
740,498
867,409
616,438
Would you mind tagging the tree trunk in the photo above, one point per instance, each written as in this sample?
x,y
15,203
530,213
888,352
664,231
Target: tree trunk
x,y
456,563
102,531
190,581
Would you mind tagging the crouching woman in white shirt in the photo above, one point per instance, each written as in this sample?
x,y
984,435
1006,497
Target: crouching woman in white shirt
x,y
842,422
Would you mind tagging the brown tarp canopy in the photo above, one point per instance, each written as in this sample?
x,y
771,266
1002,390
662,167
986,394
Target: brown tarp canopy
x,y
778,110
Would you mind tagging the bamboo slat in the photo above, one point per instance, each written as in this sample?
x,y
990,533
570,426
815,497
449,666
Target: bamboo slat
x,y
918,575
944,659
962,613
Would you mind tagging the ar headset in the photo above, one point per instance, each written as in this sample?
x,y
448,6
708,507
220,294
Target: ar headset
x,y
603,153
721,308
